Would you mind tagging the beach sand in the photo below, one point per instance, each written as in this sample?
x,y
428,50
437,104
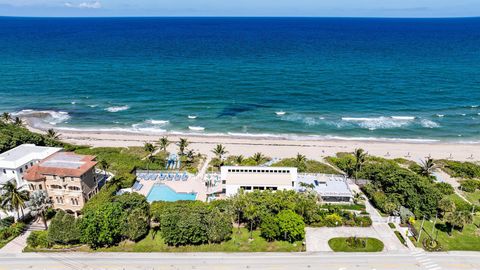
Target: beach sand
x,y
282,148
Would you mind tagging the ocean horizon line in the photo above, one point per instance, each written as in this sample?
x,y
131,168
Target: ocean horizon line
x,y
249,16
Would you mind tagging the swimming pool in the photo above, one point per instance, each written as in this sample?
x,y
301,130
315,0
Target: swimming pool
x,y
164,193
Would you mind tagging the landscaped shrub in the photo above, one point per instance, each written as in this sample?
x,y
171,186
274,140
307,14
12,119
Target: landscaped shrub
x,y
470,185
7,222
445,188
291,226
333,220
103,226
356,242
462,169
64,229
269,228
219,225
187,223
136,225
363,221
38,239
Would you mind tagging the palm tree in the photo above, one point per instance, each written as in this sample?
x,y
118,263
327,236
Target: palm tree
x,y
300,162
13,197
239,159
360,158
427,166
182,145
219,151
38,205
18,122
258,158
6,117
52,134
164,143
190,156
150,149
103,164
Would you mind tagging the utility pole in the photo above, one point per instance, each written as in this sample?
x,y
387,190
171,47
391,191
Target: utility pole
x,y
435,222
421,228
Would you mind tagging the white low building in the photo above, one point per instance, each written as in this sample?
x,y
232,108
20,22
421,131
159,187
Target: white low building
x,y
331,187
15,162
255,177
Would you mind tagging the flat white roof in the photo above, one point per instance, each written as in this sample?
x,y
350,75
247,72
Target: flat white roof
x,y
25,153
328,185
258,168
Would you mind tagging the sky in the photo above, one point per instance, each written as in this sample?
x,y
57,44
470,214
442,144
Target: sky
x,y
320,8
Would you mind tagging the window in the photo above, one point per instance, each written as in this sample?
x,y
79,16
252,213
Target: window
x,y
4,171
31,164
26,167
55,187
54,177
21,170
224,182
40,187
59,200
73,188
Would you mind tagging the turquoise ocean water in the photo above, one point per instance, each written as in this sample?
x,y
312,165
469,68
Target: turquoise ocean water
x,y
412,79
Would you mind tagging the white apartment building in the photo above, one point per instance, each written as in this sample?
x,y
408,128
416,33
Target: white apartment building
x,y
255,177
15,162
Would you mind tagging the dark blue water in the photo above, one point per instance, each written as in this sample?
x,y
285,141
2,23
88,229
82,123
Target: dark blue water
x,y
375,78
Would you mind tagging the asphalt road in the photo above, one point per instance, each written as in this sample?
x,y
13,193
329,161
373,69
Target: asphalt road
x,y
219,261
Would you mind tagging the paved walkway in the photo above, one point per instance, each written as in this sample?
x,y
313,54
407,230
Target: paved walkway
x,y
444,177
317,238
18,244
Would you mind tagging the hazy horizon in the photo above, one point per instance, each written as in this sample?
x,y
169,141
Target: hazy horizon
x,y
241,8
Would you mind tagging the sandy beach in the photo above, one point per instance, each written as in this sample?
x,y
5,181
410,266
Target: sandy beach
x,y
282,148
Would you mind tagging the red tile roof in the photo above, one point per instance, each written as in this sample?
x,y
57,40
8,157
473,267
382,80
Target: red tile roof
x,y
61,164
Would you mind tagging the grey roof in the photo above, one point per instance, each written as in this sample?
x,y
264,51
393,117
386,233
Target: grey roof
x,y
64,160
327,185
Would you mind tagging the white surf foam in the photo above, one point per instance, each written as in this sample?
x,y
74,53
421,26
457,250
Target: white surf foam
x,y
280,113
157,122
192,117
305,119
117,108
47,117
429,123
196,128
382,122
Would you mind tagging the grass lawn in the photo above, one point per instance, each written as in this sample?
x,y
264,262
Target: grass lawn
x,y
356,207
473,197
238,243
459,202
469,239
339,244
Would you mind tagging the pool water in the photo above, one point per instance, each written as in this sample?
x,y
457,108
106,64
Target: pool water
x,y
165,193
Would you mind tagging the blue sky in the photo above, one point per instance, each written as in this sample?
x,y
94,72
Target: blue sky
x,y
340,8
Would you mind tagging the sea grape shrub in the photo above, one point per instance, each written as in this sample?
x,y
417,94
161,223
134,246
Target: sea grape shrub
x,y
192,223
64,229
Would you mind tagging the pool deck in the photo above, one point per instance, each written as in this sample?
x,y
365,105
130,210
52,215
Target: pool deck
x,y
193,184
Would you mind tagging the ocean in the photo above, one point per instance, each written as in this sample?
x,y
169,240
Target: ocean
x,y
344,78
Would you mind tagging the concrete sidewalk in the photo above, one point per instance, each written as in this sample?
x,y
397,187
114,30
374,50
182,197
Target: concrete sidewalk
x,y
17,245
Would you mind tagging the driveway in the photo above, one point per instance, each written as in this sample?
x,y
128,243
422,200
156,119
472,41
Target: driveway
x,y
317,238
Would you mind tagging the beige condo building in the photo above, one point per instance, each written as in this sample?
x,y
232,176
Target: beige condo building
x,y
69,180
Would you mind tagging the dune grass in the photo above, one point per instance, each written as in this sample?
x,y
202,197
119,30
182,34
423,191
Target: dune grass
x,y
340,244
